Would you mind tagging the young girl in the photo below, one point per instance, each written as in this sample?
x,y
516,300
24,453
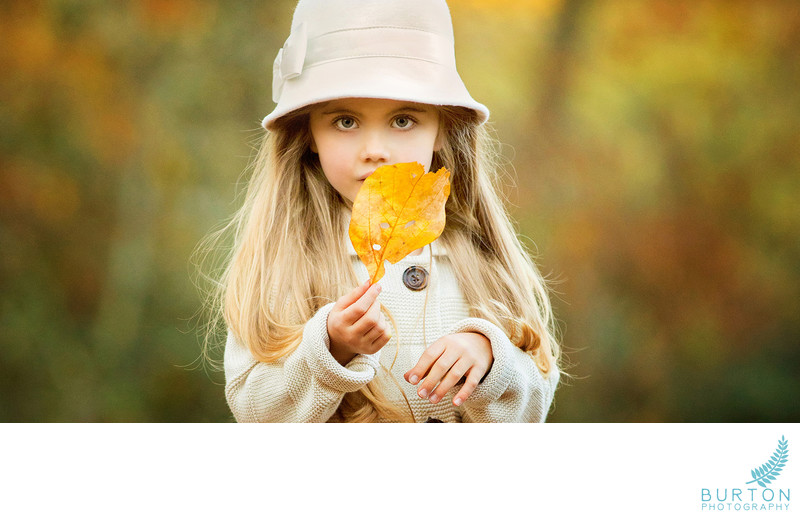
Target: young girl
x,y
458,331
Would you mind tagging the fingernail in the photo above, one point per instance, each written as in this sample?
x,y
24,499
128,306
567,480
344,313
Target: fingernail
x,y
378,287
414,379
457,402
434,398
423,393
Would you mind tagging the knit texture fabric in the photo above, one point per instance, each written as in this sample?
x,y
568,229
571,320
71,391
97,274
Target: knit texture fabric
x,y
308,385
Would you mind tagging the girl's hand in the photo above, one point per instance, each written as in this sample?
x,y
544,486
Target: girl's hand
x,y
356,325
447,360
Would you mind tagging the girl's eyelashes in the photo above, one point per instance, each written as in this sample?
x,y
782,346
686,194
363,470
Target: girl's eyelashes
x,y
344,123
403,122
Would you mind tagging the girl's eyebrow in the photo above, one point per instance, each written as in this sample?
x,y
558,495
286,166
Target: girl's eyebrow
x,y
410,108
407,108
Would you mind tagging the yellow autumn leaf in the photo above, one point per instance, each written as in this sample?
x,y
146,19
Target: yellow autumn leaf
x,y
398,209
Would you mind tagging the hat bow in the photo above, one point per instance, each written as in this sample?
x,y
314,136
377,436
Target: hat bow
x,y
289,62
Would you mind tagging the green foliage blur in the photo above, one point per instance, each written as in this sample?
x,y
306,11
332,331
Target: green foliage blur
x,y
654,149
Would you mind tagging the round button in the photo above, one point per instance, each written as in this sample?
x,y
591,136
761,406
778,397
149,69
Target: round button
x,y
415,278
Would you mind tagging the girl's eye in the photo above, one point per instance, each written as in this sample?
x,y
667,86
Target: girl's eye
x,y
403,122
345,123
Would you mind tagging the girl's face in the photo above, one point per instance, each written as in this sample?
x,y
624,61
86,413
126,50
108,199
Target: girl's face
x,y
354,136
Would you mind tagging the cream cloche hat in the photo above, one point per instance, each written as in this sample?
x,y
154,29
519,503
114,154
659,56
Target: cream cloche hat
x,y
393,49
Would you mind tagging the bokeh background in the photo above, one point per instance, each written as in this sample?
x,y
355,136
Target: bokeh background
x,y
654,149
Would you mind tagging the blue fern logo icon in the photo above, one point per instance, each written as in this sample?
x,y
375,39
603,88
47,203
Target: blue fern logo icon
x,y
770,470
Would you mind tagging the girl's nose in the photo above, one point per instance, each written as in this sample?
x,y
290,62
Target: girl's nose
x,y
374,147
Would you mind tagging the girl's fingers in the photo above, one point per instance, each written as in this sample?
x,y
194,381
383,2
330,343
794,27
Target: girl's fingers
x,y
369,323
347,300
473,378
381,320
437,371
381,340
425,362
455,373
357,309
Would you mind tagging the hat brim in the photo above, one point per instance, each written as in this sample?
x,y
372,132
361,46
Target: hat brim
x,y
395,78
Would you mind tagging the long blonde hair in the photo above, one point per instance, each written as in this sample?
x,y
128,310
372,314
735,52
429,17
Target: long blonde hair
x,y
292,217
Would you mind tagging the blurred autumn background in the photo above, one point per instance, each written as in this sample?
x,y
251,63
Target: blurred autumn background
x,y
654,148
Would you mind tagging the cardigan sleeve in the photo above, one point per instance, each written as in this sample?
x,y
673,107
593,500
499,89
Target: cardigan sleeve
x,y
305,386
514,390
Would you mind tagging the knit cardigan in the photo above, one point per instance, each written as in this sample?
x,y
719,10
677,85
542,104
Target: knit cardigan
x,y
308,385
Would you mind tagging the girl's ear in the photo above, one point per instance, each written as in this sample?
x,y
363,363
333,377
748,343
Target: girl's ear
x,y
313,144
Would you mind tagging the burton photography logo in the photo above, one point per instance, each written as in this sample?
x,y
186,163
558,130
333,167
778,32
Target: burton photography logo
x,y
763,497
